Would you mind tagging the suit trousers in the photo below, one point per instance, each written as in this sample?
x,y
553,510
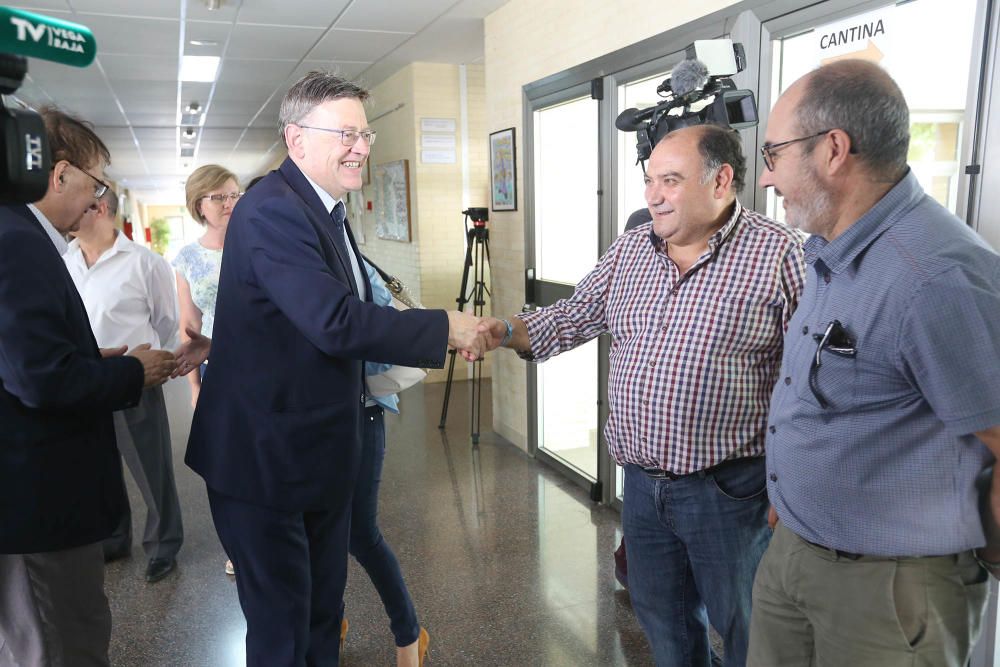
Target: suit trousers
x,y
143,435
53,611
291,569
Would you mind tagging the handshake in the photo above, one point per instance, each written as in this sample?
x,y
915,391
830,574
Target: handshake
x,y
474,336
158,366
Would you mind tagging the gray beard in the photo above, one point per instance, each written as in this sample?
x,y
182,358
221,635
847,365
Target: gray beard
x,y
813,214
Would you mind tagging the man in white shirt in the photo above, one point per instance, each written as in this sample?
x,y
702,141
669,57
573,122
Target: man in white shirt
x,y
130,297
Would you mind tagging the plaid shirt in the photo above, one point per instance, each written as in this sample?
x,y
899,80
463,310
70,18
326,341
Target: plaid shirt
x,y
694,357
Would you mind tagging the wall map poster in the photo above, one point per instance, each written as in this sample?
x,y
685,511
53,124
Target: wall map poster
x,y
503,171
392,197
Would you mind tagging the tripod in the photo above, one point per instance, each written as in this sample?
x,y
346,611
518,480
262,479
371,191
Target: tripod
x,y
477,258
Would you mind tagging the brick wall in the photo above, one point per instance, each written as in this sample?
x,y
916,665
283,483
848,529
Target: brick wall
x,y
431,264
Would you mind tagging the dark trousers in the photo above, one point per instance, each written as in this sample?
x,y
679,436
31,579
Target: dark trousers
x,y
53,610
143,435
291,568
368,546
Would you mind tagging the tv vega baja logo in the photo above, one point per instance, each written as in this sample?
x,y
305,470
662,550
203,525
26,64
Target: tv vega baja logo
x,y
58,38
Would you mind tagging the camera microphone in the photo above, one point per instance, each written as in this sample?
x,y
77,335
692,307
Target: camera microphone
x,y
44,37
687,77
631,120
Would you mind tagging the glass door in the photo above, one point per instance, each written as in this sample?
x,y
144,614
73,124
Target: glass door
x,y
935,81
565,178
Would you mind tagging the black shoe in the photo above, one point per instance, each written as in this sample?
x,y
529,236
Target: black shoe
x,y
117,553
159,568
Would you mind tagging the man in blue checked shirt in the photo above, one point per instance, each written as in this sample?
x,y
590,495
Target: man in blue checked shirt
x,y
696,302
888,405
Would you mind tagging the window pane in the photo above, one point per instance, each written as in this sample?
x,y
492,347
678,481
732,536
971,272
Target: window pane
x,y
566,205
933,80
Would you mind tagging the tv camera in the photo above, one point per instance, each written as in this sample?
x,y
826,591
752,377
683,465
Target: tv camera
x,y
699,90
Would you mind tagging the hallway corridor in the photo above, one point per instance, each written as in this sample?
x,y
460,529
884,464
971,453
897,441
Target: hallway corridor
x,y
507,563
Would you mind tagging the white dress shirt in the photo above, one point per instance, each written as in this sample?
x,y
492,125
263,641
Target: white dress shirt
x,y
329,201
58,240
129,294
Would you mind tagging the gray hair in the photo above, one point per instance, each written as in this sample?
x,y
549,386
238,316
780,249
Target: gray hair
x,y
861,99
718,146
310,91
110,198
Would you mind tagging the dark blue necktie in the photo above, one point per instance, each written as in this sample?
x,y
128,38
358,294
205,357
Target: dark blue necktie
x,y
339,215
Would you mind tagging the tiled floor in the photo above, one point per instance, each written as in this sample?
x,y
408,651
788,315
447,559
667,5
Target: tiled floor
x,y
507,563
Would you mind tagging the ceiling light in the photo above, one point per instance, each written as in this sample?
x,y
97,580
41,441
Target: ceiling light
x,y
193,107
188,133
212,5
203,42
199,68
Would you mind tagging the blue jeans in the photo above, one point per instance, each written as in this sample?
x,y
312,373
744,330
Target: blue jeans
x,y
693,548
368,546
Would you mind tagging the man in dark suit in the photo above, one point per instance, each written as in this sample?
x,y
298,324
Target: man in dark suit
x,y
276,433
61,489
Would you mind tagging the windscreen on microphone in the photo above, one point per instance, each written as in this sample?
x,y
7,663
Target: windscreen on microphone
x,y
688,76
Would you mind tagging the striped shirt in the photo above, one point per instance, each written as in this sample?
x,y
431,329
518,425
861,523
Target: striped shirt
x,y
693,357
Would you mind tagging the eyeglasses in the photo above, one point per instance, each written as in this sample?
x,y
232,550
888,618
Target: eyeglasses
x,y
100,188
837,341
221,199
347,137
767,150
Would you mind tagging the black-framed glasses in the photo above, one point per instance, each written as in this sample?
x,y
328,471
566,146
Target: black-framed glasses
x,y
221,199
100,188
347,137
837,341
767,150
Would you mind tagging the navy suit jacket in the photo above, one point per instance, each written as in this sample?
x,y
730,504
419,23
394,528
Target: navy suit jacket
x,y
60,473
279,415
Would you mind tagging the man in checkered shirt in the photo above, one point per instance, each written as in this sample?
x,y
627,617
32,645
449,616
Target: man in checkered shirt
x,y
697,302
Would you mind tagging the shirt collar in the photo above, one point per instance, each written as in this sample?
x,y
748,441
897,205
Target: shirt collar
x,y
329,201
58,240
121,244
838,254
716,239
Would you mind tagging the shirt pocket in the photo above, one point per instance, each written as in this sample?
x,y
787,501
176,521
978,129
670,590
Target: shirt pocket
x,y
835,380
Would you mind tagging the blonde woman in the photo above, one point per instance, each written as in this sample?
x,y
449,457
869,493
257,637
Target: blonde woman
x,y
211,192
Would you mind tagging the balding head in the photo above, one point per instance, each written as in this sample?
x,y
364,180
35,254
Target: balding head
x,y
861,99
717,146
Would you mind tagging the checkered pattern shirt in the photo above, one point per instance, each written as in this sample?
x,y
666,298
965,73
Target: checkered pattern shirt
x,y
693,357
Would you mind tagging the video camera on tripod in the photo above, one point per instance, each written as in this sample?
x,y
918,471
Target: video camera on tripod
x,y
703,79
477,261
25,159
479,217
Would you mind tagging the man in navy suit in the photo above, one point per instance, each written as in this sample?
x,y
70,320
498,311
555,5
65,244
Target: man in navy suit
x,y
277,430
61,489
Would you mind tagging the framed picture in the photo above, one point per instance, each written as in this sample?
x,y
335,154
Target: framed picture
x,y
392,201
503,171
356,215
